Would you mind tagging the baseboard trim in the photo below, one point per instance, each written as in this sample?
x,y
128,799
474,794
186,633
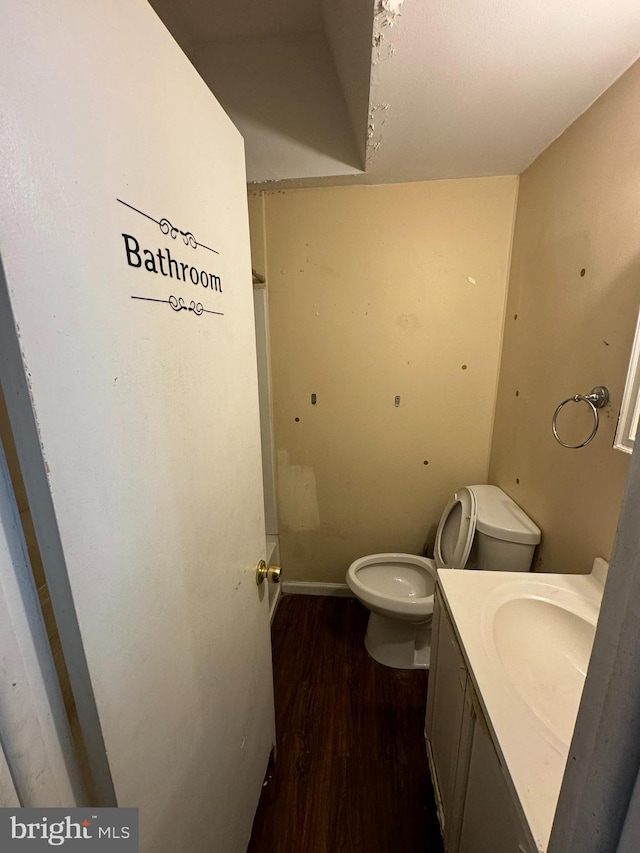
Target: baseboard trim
x,y
275,602
307,588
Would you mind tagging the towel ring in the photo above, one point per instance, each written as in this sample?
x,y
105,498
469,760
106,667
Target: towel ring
x,y
598,398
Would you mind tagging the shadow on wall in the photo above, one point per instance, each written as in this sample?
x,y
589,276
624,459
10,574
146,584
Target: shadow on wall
x,y
289,89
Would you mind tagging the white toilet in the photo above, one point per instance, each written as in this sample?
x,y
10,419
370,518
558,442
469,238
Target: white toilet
x,y
480,528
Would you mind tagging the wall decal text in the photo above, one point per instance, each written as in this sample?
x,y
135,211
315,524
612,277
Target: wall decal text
x,y
161,262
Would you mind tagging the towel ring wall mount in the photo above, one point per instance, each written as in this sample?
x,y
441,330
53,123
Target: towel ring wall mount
x,y
597,399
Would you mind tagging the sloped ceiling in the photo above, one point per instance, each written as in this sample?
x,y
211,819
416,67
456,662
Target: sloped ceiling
x,y
293,75
377,91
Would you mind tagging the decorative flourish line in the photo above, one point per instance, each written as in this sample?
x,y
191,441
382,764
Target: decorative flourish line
x,y
178,304
167,228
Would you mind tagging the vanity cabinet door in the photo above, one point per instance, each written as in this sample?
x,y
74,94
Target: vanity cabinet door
x,y
490,822
448,727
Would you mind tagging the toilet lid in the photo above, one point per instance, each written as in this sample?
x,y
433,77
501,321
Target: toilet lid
x,y
456,531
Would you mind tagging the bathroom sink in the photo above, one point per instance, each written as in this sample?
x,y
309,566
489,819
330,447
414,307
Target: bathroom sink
x,y
526,639
541,637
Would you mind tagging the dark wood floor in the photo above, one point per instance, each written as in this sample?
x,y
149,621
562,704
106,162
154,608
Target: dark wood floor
x,y
351,774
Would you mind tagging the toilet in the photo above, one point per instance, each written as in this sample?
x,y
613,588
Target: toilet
x,y
480,528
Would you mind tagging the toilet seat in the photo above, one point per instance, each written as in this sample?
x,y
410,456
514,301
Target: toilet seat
x,y
456,530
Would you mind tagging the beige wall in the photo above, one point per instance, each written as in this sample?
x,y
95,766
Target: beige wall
x,y
369,298
578,209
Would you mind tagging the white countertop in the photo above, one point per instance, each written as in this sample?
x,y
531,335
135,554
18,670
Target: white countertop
x,y
534,754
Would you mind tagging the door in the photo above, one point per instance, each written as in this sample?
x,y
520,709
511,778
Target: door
x,y
127,353
38,765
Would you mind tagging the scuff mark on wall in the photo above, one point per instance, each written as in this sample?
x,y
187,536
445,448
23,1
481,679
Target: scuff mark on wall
x,y
29,380
297,495
387,13
374,130
378,49
409,323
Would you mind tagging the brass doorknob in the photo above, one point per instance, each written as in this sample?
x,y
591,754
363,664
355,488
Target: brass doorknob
x,y
273,574
270,574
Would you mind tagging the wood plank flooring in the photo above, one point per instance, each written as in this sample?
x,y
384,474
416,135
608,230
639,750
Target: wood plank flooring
x,y
351,774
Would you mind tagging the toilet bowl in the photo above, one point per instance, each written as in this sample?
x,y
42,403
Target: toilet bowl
x,y
399,591
398,585
480,528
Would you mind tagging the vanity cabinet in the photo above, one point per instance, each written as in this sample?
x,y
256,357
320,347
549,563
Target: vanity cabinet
x,y
449,726
490,822
476,806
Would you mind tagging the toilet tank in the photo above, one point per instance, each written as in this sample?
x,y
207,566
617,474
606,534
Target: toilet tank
x,y
505,537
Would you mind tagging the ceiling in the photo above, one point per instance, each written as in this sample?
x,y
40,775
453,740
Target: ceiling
x,y
386,91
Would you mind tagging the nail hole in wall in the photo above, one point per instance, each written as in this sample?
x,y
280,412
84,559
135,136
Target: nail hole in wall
x,y
464,367
582,271
297,420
